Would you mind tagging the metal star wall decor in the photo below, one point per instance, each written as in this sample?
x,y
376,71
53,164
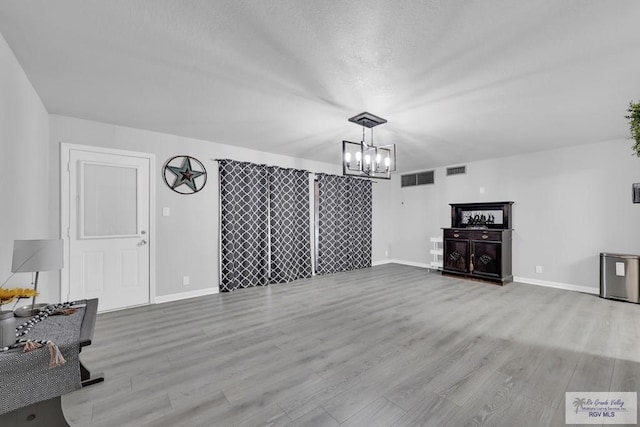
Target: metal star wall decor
x,y
184,174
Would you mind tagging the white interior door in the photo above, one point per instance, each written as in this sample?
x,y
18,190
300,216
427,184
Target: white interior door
x,y
109,228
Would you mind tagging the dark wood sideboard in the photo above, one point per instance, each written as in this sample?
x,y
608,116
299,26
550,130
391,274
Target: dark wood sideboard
x,y
478,243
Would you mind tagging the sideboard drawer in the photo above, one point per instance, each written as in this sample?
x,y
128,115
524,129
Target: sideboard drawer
x,y
492,236
451,233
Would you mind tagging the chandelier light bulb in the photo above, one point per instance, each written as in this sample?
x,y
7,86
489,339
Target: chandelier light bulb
x,y
358,157
378,159
387,162
367,159
347,159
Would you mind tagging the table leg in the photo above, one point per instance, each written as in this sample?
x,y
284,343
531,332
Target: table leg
x,y
87,379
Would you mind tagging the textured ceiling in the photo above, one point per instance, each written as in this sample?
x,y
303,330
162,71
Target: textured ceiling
x,y
457,80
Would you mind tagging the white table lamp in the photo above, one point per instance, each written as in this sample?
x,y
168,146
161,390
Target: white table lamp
x,y
34,256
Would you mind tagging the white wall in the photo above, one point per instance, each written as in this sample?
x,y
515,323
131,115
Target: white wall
x,y
570,205
382,220
193,223
24,175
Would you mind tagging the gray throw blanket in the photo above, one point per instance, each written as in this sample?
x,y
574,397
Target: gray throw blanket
x,y
26,378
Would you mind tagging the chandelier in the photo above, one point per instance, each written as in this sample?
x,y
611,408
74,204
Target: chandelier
x,y
365,159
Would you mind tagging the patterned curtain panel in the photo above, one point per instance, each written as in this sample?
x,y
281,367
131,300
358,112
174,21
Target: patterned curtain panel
x,y
344,228
360,224
243,225
289,225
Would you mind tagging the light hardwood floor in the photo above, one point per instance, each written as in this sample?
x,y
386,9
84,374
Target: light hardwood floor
x,y
385,346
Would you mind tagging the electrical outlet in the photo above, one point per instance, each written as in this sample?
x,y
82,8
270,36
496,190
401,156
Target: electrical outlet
x,y
481,190
386,253
185,280
166,212
538,269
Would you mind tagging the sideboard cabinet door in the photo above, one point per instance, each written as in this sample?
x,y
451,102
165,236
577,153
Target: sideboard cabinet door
x,y
456,255
487,258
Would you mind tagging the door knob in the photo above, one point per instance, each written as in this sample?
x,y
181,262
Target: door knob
x,y
143,242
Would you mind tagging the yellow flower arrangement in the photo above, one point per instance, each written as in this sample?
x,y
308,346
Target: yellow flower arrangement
x,y
8,295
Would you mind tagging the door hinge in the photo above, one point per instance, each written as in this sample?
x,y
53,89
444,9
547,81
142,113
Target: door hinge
x,y
68,231
68,166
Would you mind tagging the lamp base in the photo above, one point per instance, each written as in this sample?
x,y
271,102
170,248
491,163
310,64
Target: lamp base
x,y
29,310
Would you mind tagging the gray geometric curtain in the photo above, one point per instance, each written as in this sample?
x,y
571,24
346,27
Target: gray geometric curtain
x,y
344,228
243,225
360,223
265,235
289,225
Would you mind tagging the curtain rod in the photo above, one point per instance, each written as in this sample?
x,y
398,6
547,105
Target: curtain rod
x,y
293,169
348,176
262,164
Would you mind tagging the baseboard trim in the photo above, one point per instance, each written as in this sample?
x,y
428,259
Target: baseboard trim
x,y
185,295
527,280
399,261
557,285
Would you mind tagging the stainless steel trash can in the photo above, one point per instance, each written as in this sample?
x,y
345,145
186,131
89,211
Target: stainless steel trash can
x,y
620,277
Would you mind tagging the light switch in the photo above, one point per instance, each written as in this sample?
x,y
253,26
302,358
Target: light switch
x,y
481,190
166,212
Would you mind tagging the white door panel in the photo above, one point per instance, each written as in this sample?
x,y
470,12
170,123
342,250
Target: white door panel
x,y
108,228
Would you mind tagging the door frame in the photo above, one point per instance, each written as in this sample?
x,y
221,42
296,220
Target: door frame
x,y
65,210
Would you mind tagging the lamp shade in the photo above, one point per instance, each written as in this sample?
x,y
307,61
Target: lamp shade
x,y
37,255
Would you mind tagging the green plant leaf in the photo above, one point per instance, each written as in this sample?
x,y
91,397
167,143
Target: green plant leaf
x,y
634,125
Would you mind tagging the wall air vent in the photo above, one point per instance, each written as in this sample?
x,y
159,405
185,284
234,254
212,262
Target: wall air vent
x,y
456,170
420,178
408,180
425,177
